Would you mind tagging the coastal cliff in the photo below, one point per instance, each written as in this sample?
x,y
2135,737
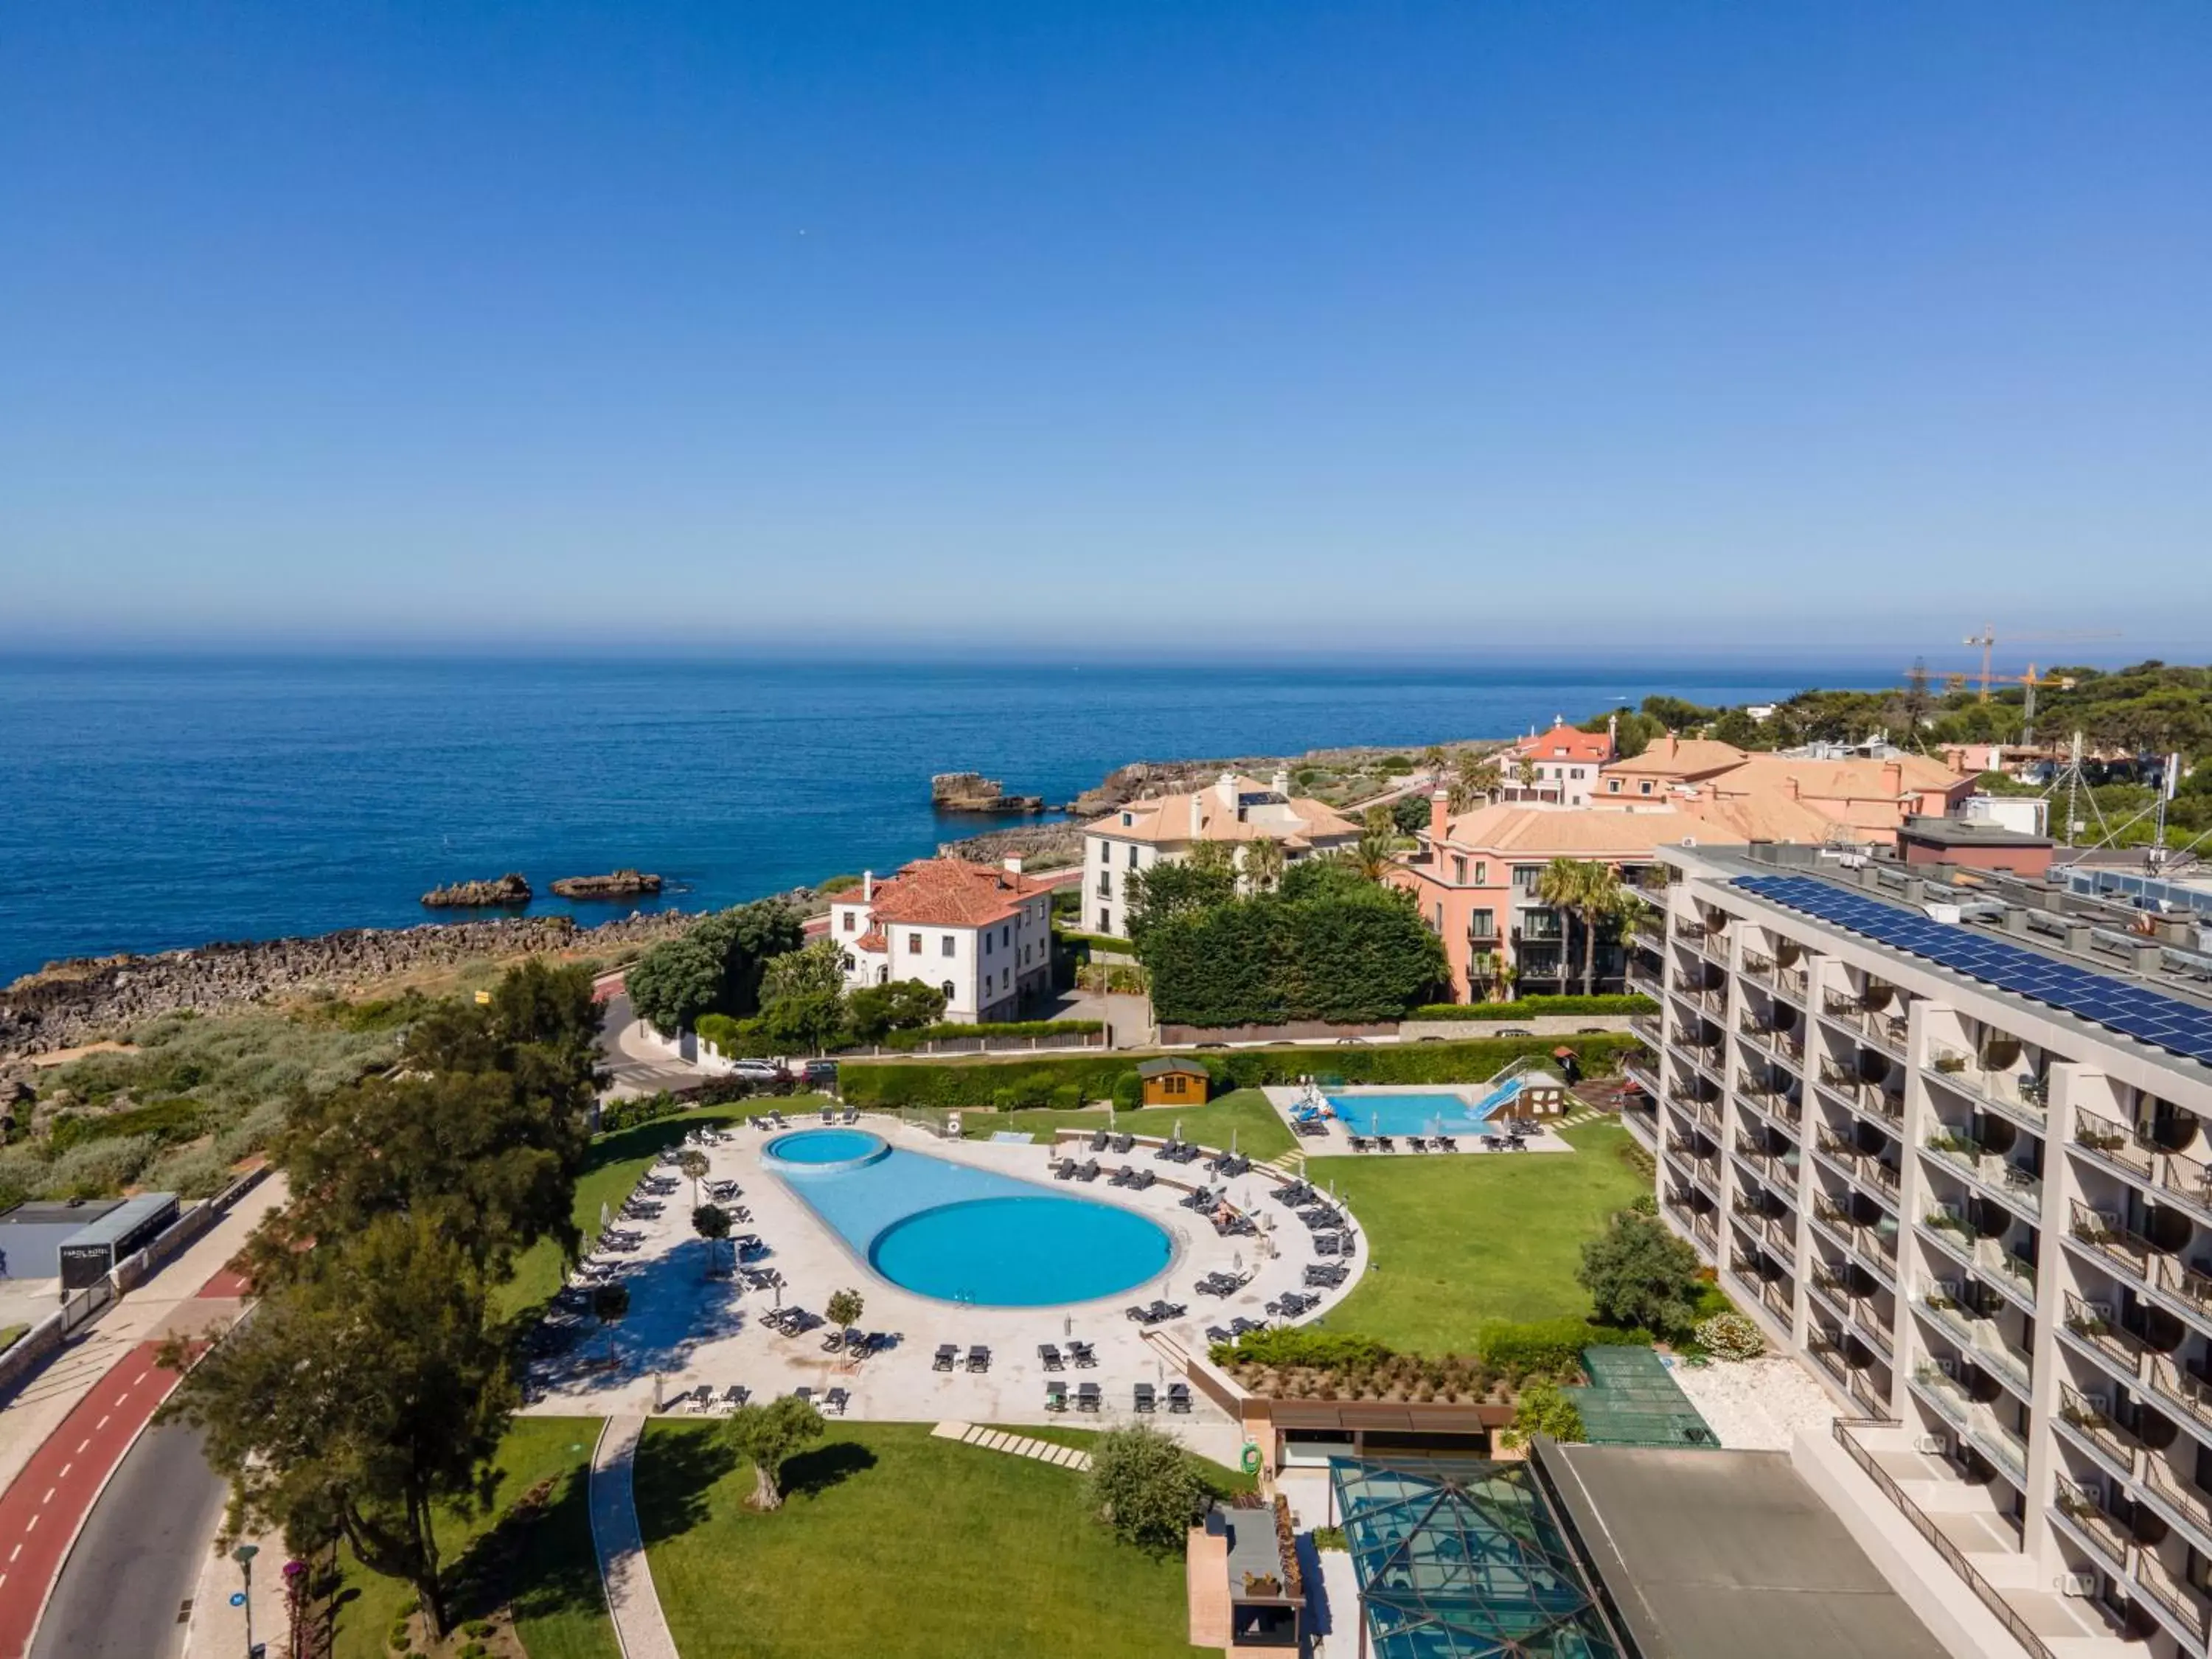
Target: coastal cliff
x,y
87,997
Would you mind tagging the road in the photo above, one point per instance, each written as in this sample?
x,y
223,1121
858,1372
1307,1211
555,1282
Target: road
x,y
148,1537
631,1073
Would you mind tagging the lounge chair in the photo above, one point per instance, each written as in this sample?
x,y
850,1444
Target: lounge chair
x,y
1219,1334
1143,1398
734,1396
1089,1172
1049,1357
1081,1356
1179,1398
1124,1145
1362,1143
1446,1144
947,1358
1143,1179
850,1116
1100,1140
804,1391
1415,1144
1055,1395
979,1358
829,1116
1064,1170
1087,1398
1385,1144
837,1400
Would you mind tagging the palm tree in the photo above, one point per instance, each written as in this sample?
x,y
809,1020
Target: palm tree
x,y
1474,778
1372,853
1589,892
1432,760
1527,773
1263,863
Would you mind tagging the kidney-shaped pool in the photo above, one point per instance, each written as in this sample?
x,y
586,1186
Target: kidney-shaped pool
x,y
961,1234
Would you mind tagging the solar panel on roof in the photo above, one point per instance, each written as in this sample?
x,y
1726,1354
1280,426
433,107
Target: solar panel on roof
x,y
2134,1010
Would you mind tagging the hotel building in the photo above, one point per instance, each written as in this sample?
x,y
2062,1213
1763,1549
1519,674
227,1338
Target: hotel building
x,y
1946,1135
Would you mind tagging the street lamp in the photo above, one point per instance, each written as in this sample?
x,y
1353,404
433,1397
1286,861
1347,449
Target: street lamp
x,y
244,1555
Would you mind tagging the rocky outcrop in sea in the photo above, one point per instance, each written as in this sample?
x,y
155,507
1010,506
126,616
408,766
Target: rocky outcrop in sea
x,y
508,892
622,884
88,997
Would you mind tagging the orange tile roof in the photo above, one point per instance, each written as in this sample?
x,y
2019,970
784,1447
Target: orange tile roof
x,y
1671,757
874,940
1856,778
1166,819
1564,742
952,893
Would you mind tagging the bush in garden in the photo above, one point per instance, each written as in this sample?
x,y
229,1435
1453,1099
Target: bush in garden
x,y
1729,1336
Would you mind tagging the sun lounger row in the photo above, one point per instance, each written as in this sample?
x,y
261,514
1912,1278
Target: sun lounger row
x,y
1291,1305
704,1399
1068,1169
1296,1195
1104,1140
1324,1275
1079,1355
1156,1313
1090,1397
1222,1284
948,1358
1230,1166
1177,1151
845,1115
791,1321
1328,1243
1134,1179
836,1400
1233,1329
769,1121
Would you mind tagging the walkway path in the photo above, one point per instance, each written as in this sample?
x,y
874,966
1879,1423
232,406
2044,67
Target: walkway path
x,y
1019,1444
641,1627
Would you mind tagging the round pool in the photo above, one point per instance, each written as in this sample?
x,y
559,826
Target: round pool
x,y
1019,1252
821,1150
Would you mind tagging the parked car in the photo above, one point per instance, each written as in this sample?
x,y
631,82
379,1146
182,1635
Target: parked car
x,y
1516,1031
821,1074
757,1071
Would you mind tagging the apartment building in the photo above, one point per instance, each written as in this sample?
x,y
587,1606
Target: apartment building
x,y
1561,766
982,933
1946,1137
1231,810
1866,799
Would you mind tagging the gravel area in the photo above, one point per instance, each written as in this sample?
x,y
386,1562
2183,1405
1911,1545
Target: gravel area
x,y
1756,1405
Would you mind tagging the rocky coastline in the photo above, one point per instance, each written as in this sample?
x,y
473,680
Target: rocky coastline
x,y
508,892
88,997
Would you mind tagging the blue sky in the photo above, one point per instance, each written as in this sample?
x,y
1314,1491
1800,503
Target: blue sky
x,y
1478,327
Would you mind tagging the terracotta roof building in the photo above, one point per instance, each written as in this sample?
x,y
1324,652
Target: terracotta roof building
x,y
1866,799
1234,809
1562,766
981,932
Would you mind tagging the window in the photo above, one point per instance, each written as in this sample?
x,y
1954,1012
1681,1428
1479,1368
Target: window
x,y
1128,819
851,918
947,988
1612,786
1438,926
1105,883
1175,1084
1105,851
1525,877
849,962
1644,787
1482,872
1105,922
1459,870
945,945
1482,924
913,944
1006,934
987,941
1133,858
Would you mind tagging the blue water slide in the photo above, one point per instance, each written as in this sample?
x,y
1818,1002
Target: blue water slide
x,y
1504,1095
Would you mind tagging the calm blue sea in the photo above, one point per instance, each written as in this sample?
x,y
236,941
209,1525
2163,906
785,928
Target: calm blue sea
x,y
146,806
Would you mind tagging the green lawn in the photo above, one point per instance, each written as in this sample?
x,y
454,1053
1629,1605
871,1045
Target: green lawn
x,y
1458,1241
1260,1130
542,1562
893,1544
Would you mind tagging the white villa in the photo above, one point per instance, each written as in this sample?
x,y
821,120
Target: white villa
x,y
1240,810
980,934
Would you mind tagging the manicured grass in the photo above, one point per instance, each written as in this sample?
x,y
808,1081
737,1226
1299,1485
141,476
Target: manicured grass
x,y
1259,1129
615,1162
892,1545
1460,1240
1219,1479
542,1561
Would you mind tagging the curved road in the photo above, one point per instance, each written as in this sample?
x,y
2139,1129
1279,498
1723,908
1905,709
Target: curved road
x,y
139,1556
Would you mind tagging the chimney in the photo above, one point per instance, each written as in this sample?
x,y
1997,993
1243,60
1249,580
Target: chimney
x,y
867,885
1225,790
1013,864
1280,783
1197,813
1439,817
1893,778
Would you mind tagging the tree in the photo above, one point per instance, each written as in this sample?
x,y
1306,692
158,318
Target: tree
x,y
693,1163
1544,1409
874,1011
715,968
1433,759
712,1222
767,1436
817,969
1592,894
1641,1275
1263,863
370,1386
1527,773
1169,890
809,1023
1217,857
1475,778
845,1309
1146,1487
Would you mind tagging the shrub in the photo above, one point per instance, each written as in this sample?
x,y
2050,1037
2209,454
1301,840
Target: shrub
x,y
99,1167
1531,1007
1128,1091
1067,1096
1298,1345
1544,1409
1637,1273
1729,1336
478,1628
190,1172
1146,1487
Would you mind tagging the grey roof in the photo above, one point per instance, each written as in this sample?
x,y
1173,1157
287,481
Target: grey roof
x,y
120,1221
1163,1067
1713,1555
47,1212
1959,832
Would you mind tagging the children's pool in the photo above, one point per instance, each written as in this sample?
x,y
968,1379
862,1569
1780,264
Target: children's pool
x,y
961,1234
1408,1115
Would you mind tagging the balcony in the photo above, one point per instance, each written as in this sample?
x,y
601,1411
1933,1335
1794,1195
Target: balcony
x,y
1885,1028
1979,1339
1649,930
1759,966
2130,1251
1859,1094
1773,1100
2108,1540
2119,1347
1777,1300
2017,1095
1865,1168
2187,1393
1650,1028
2011,1275
2181,1600
1988,1169
1977,1423
1643,981
2088,1419
2114,1143
2184,1497
1786,1046
1791,982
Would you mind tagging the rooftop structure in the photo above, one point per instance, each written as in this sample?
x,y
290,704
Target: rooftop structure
x,y
980,934
1868,798
1563,765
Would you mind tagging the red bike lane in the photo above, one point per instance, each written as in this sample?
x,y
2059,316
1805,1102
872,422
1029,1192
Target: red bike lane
x,y
47,1502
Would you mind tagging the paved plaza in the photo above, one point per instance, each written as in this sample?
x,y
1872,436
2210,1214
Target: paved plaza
x,y
685,1328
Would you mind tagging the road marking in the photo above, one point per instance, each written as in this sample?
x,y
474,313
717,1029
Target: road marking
x,y
81,1445
12,1553
66,1467
102,1423
32,1527
48,1499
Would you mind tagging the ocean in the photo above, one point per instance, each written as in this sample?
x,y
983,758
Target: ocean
x,y
146,805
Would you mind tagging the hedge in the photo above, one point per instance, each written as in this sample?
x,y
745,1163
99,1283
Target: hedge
x,y
1531,1007
733,1041
985,1083
1075,941
1549,1349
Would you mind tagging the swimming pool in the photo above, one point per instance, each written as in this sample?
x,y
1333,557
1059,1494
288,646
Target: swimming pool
x,y
1408,1115
957,1233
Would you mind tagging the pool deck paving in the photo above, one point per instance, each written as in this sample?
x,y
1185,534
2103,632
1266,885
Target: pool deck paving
x,y
1020,1445
685,1328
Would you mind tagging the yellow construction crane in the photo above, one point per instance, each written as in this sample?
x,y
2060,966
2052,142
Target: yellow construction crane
x,y
2032,680
1987,639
